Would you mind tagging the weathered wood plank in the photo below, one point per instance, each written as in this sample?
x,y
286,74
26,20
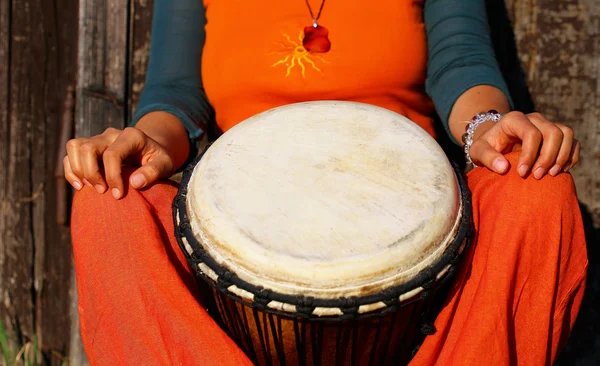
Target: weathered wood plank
x,y
559,45
18,266
102,65
140,25
53,249
4,149
34,252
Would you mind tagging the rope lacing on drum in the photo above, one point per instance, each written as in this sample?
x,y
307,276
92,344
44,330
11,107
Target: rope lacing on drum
x,y
178,199
391,297
428,285
224,279
349,307
305,306
262,297
454,258
451,271
183,226
183,191
196,256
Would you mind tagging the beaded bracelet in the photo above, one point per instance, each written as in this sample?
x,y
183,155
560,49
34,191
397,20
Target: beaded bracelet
x,y
467,137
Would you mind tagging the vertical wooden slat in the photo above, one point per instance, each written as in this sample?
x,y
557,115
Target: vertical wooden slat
x,y
17,239
53,247
141,23
37,57
102,65
4,147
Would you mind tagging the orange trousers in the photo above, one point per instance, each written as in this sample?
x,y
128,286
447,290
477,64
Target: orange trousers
x,y
514,300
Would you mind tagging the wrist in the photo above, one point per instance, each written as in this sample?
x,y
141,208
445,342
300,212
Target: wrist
x,y
482,129
168,131
475,100
473,131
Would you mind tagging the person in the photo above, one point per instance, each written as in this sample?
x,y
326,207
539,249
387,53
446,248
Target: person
x,y
519,289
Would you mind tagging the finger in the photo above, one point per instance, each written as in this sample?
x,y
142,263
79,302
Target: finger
x,y
483,154
574,159
91,153
564,154
69,176
517,125
74,156
159,167
130,142
551,143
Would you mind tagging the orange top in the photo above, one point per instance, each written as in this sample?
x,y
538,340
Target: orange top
x,y
242,80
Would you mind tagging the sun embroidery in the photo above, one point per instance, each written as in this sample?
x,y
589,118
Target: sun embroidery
x,y
296,55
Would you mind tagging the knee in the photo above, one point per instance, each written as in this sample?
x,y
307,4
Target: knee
x,y
527,194
548,192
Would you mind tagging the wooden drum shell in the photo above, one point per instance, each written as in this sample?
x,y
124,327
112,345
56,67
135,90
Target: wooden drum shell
x,y
381,322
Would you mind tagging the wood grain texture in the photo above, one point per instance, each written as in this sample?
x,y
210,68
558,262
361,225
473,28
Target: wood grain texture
x,y
4,151
37,58
18,246
559,45
102,65
140,26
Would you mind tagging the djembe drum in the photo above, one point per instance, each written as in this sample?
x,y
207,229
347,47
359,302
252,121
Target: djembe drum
x,y
325,230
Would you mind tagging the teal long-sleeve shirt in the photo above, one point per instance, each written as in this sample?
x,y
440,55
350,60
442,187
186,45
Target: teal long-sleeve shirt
x,y
460,56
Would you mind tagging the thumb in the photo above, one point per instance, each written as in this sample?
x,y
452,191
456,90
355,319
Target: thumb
x,y
482,153
159,167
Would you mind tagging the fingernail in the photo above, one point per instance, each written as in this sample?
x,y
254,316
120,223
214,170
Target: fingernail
x,y
523,170
116,193
77,185
85,181
555,169
500,165
566,168
539,173
138,181
99,188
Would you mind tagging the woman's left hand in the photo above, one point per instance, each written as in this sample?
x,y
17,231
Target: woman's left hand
x,y
546,147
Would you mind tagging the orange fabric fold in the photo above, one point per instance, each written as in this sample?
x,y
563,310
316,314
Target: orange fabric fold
x,y
514,300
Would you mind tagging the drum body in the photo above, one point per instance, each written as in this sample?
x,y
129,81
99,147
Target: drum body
x,y
326,231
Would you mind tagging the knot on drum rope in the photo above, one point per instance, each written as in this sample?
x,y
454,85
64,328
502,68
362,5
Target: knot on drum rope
x,y
429,277
184,225
262,297
390,297
455,258
224,280
349,307
306,306
196,256
180,197
427,328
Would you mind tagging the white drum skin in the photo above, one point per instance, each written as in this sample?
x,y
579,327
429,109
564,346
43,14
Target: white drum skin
x,y
327,199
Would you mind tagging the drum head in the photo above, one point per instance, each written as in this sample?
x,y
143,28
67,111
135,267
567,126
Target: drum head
x,y
324,199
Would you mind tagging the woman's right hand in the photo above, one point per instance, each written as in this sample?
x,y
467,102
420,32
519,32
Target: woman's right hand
x,y
97,161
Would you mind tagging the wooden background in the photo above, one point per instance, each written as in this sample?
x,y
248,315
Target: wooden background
x,y
96,51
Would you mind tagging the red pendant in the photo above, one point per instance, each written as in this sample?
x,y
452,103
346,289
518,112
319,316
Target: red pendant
x,y
316,39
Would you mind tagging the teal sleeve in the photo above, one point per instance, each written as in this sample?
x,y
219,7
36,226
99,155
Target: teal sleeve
x,y
173,79
460,53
